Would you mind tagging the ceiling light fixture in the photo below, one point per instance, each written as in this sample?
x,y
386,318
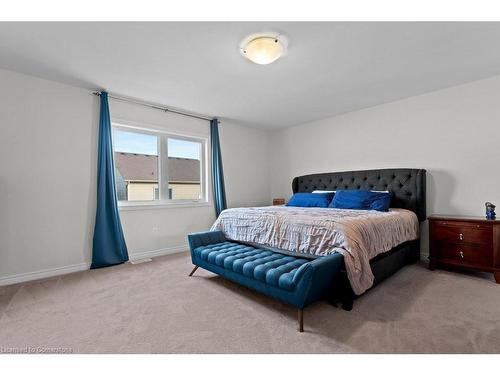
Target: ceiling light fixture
x,y
263,48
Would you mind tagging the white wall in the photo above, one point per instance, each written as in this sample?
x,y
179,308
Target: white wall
x,y
48,135
453,133
47,174
246,157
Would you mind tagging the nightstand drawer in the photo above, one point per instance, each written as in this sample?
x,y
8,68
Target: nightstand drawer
x,y
458,234
465,242
465,254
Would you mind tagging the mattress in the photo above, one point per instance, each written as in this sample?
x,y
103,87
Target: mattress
x,y
358,235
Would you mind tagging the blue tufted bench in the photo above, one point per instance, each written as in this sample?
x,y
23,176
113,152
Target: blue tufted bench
x,y
293,280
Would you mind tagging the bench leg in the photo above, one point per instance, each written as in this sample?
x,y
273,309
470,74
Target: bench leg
x,y
301,320
193,271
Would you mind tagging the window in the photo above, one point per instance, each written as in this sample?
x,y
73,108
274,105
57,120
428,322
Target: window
x,y
136,165
153,167
184,169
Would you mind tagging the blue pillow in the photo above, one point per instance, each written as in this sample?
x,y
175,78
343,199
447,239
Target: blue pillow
x,y
311,200
361,200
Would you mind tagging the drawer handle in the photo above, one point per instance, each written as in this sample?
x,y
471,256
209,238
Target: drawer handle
x,y
461,237
461,254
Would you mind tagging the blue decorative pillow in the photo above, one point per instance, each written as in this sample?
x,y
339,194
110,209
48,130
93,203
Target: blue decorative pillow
x,y
361,200
310,200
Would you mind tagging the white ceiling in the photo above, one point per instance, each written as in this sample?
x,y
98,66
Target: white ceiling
x,y
330,68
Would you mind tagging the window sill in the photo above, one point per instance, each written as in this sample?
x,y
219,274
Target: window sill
x,y
134,206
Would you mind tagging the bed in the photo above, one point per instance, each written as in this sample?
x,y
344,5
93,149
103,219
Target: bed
x,y
300,273
408,189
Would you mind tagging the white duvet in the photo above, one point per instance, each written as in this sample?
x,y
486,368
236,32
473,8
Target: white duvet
x,y
358,235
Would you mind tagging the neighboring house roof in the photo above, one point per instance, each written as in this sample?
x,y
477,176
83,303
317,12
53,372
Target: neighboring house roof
x,y
139,167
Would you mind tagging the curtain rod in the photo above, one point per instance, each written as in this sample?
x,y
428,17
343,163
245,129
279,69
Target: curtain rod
x,y
164,109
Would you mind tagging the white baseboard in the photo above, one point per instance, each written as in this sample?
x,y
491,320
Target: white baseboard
x,y
42,274
157,253
58,271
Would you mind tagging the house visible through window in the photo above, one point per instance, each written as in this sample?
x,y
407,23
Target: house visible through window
x,y
156,166
184,169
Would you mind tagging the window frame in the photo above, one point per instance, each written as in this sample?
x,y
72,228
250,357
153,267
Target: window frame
x,y
163,135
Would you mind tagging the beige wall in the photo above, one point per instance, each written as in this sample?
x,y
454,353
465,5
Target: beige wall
x,y
141,191
453,133
145,191
185,191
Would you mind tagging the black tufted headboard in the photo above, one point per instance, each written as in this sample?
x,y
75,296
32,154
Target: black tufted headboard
x,y
407,185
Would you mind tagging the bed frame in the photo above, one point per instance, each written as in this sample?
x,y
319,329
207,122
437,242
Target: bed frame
x,y
319,277
408,188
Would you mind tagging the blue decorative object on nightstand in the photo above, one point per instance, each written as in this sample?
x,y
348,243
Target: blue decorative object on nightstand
x,y
490,211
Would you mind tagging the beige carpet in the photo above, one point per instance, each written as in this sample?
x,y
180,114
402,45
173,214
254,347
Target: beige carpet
x,y
155,308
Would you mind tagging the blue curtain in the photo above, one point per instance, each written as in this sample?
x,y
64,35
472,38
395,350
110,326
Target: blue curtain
x,y
109,246
217,173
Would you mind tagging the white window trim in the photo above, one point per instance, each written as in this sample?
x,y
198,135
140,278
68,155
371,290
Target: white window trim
x,y
164,134
151,205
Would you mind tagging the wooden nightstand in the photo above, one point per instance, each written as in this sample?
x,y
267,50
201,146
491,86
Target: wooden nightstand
x,y
278,201
465,242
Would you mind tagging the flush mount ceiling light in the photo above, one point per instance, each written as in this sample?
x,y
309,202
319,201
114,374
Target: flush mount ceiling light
x,y
263,48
